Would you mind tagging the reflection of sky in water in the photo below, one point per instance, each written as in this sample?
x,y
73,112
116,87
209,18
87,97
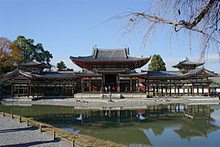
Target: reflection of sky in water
x,y
70,130
140,117
170,138
216,116
157,128
80,117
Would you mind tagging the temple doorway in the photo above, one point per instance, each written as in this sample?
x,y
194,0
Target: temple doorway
x,y
110,80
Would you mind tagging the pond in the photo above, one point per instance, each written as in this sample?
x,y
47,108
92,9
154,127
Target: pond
x,y
161,125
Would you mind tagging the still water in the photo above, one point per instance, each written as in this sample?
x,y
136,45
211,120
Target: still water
x,y
162,125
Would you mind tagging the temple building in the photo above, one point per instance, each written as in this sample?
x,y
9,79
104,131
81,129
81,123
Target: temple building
x,y
30,80
191,79
109,70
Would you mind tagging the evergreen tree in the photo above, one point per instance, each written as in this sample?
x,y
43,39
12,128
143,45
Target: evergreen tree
x,y
156,64
61,66
31,51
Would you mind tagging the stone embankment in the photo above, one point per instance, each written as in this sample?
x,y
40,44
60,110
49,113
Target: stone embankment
x,y
126,103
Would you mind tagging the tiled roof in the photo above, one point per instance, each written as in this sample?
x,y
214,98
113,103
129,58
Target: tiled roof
x,y
215,79
173,74
187,62
109,55
33,63
60,74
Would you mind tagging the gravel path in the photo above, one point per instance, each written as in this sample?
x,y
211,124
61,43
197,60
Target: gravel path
x,y
13,133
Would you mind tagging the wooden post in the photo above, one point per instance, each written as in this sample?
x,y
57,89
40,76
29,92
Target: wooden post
x,y
166,90
130,84
138,88
208,90
157,89
175,89
54,135
73,89
148,88
51,89
162,89
37,90
40,128
145,87
118,86
178,90
170,91
197,90
82,86
90,84
73,143
183,89
42,89
11,116
12,90
18,91
28,90
153,90
19,119
64,90
192,89
23,91
188,90
27,122
3,114
33,90
202,90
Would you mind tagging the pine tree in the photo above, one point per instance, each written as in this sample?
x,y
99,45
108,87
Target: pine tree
x,y
61,66
156,64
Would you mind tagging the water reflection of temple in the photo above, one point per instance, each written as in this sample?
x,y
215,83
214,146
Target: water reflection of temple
x,y
191,121
129,127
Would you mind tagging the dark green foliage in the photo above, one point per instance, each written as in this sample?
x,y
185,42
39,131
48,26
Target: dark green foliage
x,y
31,51
156,64
6,69
61,66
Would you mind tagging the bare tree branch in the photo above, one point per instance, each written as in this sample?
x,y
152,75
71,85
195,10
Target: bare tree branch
x,y
192,15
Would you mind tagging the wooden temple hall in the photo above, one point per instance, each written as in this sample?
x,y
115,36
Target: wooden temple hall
x,y
109,70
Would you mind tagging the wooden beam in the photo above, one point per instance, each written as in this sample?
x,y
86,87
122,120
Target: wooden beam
x,y
82,86
90,84
131,84
12,90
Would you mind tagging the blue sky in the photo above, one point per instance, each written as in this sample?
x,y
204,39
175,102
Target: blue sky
x,y
73,27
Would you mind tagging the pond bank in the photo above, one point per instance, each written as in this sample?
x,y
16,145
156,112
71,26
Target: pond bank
x,y
32,133
126,103
13,133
